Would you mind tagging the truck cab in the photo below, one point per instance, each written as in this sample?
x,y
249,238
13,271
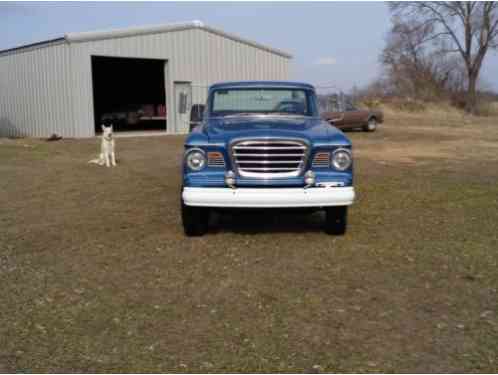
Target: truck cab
x,y
262,144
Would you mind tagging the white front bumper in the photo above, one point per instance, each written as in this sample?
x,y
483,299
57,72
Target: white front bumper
x,y
268,197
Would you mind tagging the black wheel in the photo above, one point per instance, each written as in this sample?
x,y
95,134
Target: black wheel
x,y
336,220
371,125
195,220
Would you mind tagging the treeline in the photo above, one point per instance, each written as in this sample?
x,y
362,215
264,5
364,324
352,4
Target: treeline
x,y
435,51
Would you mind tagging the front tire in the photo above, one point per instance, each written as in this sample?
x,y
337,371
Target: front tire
x,y
371,125
336,220
195,220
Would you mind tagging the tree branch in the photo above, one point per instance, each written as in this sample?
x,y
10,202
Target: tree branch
x,y
440,18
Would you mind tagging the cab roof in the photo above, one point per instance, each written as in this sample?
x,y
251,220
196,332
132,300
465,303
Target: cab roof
x,y
250,84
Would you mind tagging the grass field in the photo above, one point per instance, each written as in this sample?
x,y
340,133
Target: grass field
x,y
97,276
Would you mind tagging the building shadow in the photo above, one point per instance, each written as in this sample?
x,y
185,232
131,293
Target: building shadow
x,y
9,130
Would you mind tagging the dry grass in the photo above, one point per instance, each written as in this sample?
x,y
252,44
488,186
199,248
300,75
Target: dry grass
x,y
442,115
455,132
97,276
488,108
441,112
430,111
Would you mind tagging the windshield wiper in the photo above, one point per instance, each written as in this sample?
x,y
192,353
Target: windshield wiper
x,y
287,114
241,114
265,114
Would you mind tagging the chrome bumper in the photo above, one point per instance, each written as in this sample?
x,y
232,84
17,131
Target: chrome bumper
x,y
268,197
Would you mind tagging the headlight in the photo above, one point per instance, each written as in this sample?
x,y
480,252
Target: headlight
x,y
341,159
195,159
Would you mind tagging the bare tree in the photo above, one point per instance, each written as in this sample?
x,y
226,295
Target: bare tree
x,y
467,29
406,61
415,69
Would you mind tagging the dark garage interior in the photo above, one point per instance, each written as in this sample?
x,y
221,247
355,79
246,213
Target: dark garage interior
x,y
129,93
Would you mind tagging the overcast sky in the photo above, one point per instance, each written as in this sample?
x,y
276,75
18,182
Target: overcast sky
x,y
332,43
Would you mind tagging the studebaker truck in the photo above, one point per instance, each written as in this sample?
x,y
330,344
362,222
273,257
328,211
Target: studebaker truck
x,y
263,145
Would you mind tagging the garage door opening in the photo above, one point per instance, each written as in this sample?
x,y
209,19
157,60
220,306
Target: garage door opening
x,y
129,93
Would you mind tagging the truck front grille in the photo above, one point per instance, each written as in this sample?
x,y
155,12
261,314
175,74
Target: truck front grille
x,y
269,158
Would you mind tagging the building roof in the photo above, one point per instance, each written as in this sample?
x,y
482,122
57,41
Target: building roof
x,y
30,46
144,30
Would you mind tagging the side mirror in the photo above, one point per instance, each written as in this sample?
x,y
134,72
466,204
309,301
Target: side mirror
x,y
196,112
196,115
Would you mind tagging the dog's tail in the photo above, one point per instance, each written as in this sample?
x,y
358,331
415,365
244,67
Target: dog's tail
x,y
95,161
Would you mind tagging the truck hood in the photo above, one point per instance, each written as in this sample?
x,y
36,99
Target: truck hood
x,y
223,130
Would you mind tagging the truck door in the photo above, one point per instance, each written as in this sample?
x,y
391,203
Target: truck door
x,y
353,117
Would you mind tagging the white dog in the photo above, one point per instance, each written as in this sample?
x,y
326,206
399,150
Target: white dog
x,y
107,155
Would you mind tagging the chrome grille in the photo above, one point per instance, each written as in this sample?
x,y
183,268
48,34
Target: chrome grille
x,y
269,158
215,159
321,160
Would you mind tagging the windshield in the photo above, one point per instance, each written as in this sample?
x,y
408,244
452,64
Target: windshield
x,y
249,101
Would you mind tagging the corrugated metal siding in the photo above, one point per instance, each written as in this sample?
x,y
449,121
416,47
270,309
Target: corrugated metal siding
x,y
194,55
49,90
35,92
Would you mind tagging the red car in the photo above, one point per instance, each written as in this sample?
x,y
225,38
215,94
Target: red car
x,y
352,118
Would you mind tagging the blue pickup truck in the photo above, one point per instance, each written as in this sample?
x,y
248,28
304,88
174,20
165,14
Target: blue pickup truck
x,y
262,144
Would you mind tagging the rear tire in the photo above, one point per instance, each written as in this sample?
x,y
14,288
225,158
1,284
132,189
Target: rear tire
x,y
371,125
336,220
195,220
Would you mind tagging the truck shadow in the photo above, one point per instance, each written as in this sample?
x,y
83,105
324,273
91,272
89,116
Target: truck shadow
x,y
353,130
266,221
